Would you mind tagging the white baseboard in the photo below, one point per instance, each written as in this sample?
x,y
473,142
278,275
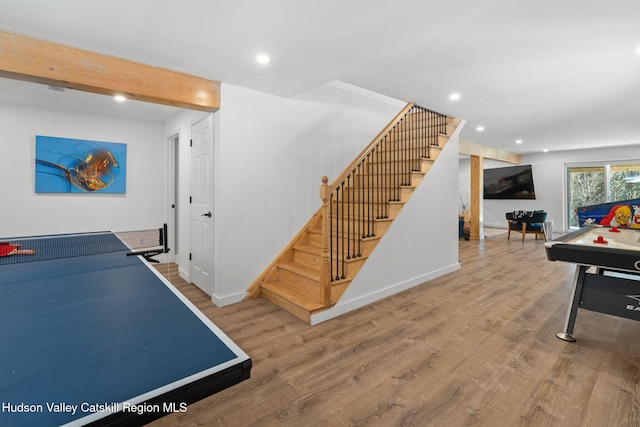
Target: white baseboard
x,y
228,300
346,307
184,274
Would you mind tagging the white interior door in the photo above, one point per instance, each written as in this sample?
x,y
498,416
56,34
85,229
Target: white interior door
x,y
202,204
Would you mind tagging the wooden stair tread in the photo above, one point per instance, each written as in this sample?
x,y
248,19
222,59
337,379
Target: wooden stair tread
x,y
309,247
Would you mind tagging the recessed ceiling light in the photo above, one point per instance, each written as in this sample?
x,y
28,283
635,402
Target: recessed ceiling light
x,y
454,96
263,59
518,141
120,98
480,128
546,150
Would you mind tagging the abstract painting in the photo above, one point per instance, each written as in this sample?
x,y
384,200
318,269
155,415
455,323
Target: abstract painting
x,y
65,165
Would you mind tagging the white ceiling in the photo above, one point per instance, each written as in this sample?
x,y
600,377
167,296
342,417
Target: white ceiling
x,y
558,74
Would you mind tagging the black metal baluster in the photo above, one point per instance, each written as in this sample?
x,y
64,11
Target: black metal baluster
x,y
414,140
405,152
400,170
332,201
430,126
412,144
368,196
425,138
357,233
392,163
384,198
348,217
342,231
362,179
419,137
405,142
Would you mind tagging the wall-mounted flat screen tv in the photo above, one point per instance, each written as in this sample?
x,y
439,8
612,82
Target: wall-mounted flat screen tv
x,y
513,182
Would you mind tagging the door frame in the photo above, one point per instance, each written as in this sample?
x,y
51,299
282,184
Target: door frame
x,y
211,118
173,177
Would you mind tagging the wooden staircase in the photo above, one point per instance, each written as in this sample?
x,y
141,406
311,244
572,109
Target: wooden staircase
x,y
312,272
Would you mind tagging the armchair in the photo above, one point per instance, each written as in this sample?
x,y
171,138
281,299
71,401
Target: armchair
x,y
526,222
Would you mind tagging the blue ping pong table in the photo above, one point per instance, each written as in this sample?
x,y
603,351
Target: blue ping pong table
x,y
103,339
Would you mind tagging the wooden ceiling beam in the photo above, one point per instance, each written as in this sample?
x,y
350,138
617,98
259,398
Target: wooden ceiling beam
x,y
39,61
473,149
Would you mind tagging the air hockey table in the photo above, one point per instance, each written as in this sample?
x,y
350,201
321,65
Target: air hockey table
x,y
101,338
607,276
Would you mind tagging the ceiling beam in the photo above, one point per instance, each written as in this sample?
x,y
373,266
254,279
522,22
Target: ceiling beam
x,y
39,61
473,149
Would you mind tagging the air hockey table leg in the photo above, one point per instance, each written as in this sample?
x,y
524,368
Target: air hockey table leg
x,y
572,312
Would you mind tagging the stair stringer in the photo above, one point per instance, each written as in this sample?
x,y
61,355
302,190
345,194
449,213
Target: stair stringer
x,y
420,245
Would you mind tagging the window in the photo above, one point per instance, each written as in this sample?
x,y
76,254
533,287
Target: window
x,y
597,183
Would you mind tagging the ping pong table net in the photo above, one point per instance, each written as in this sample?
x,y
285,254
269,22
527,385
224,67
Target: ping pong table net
x,y
147,243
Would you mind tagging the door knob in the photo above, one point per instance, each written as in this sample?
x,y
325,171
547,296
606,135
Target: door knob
x,y
209,214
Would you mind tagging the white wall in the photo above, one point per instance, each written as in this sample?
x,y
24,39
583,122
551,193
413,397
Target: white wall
x,y
549,181
26,213
271,155
420,245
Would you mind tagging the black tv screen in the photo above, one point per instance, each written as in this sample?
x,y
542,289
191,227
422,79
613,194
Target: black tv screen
x,y
513,182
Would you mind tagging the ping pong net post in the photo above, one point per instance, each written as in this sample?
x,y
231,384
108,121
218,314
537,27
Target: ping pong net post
x,y
147,243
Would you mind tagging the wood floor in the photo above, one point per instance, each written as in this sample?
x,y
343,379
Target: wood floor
x,y
476,347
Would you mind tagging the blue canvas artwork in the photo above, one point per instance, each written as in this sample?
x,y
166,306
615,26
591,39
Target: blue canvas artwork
x,y
65,165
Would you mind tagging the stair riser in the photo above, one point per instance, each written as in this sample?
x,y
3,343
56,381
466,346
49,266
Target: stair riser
x,y
353,248
298,281
299,312
308,258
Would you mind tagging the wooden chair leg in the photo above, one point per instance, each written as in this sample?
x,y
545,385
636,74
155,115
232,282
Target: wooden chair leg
x,y
524,230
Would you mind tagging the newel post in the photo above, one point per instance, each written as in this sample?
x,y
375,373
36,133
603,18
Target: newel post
x,y
325,273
